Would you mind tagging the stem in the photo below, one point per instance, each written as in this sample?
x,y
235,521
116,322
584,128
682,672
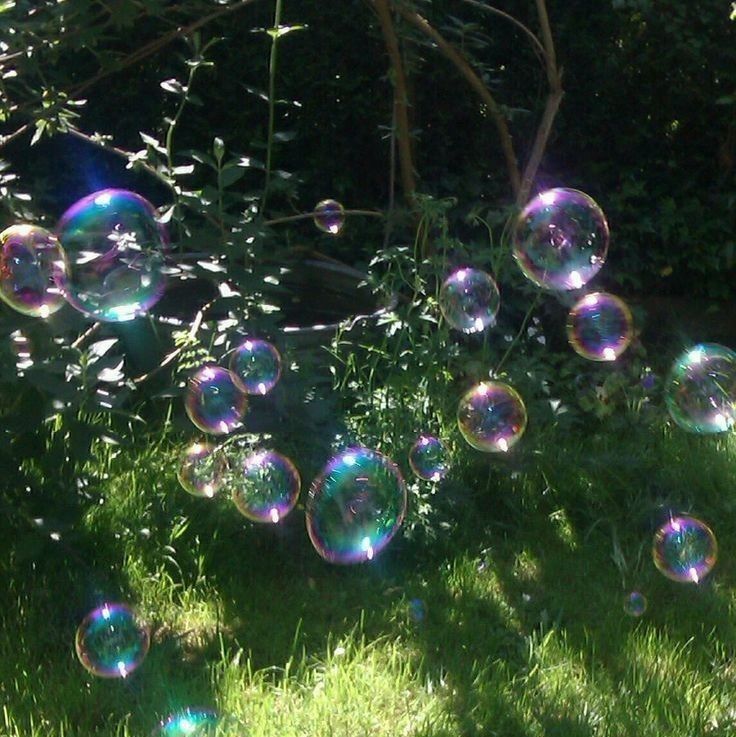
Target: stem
x,y
477,84
307,215
554,98
518,335
401,100
271,99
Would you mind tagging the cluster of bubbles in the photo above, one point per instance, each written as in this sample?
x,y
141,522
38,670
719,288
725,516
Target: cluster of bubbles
x,y
106,259
216,398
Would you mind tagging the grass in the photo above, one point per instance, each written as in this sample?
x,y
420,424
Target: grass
x,y
522,630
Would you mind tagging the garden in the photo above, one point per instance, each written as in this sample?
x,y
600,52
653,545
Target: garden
x,y
368,367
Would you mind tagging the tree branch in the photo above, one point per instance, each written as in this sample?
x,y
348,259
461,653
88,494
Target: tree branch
x,y
554,98
401,100
536,43
477,84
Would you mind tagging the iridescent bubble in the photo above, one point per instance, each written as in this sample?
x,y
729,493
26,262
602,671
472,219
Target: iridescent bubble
x,y
700,390
214,401
428,458
32,270
417,610
599,327
469,300
190,722
685,549
355,506
329,216
111,641
492,417
115,249
266,486
635,604
202,470
256,365
561,239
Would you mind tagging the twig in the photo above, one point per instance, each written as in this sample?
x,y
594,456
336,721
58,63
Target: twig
x,y
536,43
86,334
5,140
554,98
308,215
401,99
477,84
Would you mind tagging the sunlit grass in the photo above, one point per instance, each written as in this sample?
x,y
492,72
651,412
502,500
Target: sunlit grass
x,y
521,629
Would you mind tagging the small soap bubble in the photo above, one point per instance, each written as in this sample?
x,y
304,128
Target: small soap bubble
x,y
599,327
190,722
469,300
329,216
561,239
214,402
202,469
111,641
265,486
492,417
355,506
115,249
428,458
685,549
700,391
635,604
33,270
417,610
256,366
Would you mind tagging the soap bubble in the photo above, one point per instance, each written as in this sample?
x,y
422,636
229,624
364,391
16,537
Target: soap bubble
x,y
214,401
417,610
266,486
685,549
256,366
355,506
190,722
428,458
32,270
329,216
561,239
635,604
202,470
115,250
469,300
700,390
492,417
599,327
111,641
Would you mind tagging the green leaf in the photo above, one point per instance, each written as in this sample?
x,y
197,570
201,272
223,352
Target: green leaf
x,y
275,33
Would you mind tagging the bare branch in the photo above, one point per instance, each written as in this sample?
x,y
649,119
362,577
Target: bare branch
x,y
401,100
536,43
477,84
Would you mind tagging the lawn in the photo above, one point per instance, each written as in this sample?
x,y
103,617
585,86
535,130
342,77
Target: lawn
x,y
509,622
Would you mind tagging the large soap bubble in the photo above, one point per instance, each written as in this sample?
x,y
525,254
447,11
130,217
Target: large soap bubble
x,y
256,365
265,486
685,549
561,239
469,300
428,458
492,417
355,506
201,469
214,402
115,249
111,641
599,327
700,390
329,216
33,270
